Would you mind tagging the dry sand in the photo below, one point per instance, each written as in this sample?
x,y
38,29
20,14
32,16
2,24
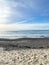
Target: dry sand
x,y
23,54
24,57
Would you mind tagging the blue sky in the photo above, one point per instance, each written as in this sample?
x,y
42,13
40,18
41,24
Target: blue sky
x,y
24,14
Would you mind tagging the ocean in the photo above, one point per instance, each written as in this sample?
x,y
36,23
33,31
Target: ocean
x,y
24,34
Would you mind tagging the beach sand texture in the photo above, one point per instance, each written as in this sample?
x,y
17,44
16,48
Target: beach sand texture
x,y
24,55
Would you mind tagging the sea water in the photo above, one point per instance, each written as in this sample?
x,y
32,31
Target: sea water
x,y
24,34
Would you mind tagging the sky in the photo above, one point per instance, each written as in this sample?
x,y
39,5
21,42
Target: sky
x,y
24,15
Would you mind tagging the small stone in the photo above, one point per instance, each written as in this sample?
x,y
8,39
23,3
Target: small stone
x,y
41,64
45,56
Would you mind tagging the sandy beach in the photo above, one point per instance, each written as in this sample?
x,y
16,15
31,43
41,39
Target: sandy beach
x,y
24,51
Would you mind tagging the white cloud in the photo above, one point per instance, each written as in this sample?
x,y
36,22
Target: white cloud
x,y
11,11
4,12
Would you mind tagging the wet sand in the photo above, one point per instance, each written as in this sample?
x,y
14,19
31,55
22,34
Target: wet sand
x,y
34,43
24,51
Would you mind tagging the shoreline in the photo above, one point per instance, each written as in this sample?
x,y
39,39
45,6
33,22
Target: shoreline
x,y
10,39
27,43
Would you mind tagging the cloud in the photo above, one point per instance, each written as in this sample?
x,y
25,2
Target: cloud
x,y
4,12
22,11
24,14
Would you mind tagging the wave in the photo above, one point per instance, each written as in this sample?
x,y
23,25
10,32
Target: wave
x,y
25,34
